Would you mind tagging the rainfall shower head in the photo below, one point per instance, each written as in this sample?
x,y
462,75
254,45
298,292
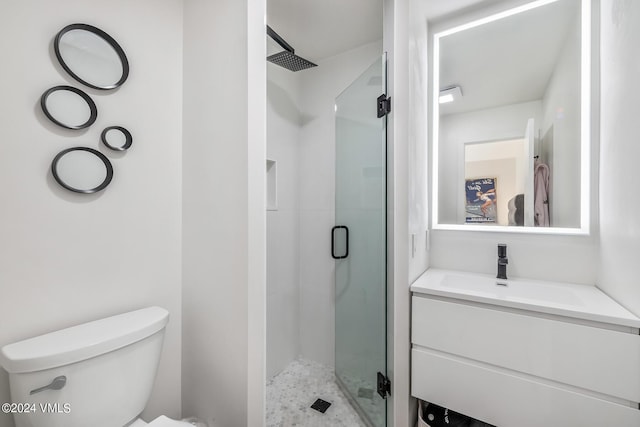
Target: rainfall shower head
x,y
287,58
290,61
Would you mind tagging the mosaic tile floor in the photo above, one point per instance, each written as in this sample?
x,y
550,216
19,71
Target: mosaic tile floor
x,y
367,398
291,393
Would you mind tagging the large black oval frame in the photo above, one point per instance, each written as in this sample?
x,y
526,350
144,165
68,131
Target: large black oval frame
x,y
106,37
102,157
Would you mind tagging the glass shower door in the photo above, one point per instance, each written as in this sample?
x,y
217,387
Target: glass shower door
x,y
359,243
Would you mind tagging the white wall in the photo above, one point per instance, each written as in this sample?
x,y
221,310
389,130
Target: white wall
x,y
491,124
283,133
402,27
418,136
320,86
224,271
619,153
257,221
561,109
67,258
547,257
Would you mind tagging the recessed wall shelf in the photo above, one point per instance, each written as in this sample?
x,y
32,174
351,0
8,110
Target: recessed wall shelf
x,y
272,185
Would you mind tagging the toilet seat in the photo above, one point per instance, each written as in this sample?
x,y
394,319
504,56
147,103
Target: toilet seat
x,y
161,421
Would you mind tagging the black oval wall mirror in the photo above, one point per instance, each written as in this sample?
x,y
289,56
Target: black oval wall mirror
x,y
69,107
91,56
116,138
82,170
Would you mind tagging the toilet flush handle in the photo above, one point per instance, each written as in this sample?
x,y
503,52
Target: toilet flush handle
x,y
56,384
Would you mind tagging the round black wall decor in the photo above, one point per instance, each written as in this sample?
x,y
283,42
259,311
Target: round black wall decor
x,y
69,107
91,56
82,170
116,138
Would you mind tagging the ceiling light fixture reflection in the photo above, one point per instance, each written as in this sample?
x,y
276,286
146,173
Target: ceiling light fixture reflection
x,y
450,94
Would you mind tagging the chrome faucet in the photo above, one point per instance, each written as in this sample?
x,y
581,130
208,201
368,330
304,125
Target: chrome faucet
x,y
502,262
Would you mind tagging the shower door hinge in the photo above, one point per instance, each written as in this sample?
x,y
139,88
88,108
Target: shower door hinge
x,y
384,385
383,105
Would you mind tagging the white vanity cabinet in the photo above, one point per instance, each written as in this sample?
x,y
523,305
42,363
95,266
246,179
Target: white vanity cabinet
x,y
527,354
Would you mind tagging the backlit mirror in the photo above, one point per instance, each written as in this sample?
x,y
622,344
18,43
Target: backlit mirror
x,y
82,170
511,119
69,107
91,56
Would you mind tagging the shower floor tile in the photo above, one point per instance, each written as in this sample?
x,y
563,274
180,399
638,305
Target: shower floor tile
x,y
291,393
366,397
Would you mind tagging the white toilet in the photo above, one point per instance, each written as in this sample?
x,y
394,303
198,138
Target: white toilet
x,y
98,374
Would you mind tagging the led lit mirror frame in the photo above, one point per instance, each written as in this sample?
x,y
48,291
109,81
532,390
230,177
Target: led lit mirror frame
x,y
585,124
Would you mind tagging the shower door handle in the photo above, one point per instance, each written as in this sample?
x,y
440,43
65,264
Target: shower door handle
x,y
333,242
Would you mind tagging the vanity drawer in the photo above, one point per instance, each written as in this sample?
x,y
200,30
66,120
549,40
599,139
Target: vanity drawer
x,y
588,357
506,400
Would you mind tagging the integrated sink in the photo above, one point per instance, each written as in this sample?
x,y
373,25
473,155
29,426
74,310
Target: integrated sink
x,y
565,299
513,289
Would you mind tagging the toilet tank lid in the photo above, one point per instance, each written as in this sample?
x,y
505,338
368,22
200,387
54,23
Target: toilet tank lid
x,y
83,341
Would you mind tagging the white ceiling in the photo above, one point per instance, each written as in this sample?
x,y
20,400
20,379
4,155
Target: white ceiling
x,y
507,61
437,9
318,29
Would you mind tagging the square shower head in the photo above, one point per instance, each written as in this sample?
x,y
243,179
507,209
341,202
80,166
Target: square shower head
x,y
290,61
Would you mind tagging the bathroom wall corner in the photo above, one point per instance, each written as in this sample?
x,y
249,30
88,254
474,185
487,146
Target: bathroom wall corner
x,y
397,21
257,221
283,230
619,153
224,212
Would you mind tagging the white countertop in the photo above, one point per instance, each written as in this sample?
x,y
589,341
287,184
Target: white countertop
x,y
563,299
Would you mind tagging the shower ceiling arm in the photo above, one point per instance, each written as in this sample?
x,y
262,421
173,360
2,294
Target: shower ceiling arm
x,y
286,46
287,58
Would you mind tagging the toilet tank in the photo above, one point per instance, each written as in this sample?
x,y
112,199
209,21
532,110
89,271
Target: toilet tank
x,y
109,366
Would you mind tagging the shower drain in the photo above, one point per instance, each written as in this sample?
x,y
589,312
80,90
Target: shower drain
x,y
320,405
